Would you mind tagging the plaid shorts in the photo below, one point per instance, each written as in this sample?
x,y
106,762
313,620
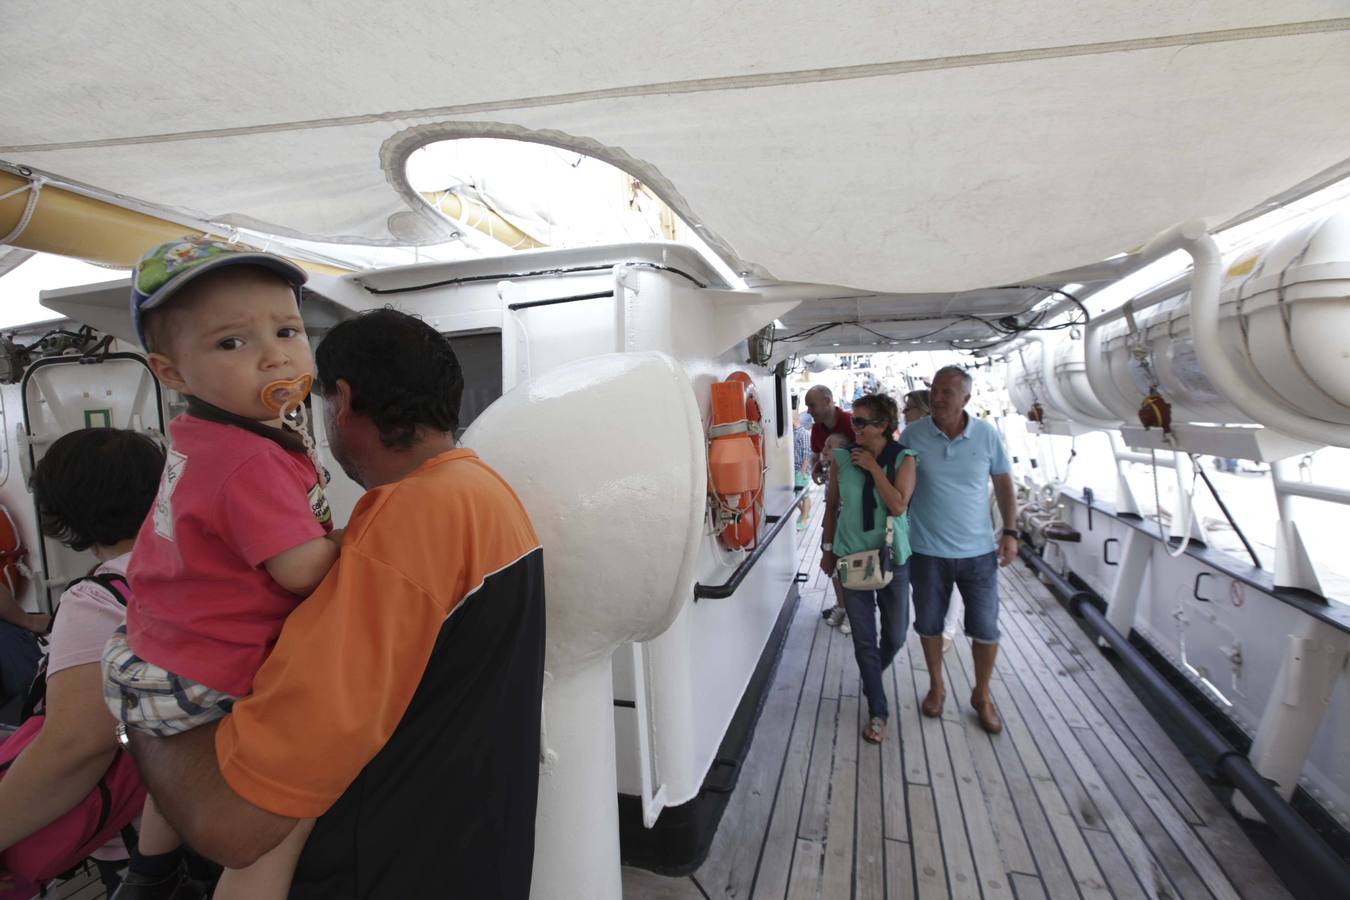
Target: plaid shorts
x,y
144,696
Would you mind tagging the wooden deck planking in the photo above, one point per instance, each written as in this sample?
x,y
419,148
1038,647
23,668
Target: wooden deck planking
x,y
640,883
962,880
1075,661
806,871
898,744
870,827
993,787
1028,887
907,700
929,869
1069,801
1118,704
729,869
899,871
1149,744
1062,856
776,865
1110,814
1159,823
839,845
816,798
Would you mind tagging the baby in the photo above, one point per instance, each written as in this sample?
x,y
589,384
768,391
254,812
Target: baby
x,y
240,529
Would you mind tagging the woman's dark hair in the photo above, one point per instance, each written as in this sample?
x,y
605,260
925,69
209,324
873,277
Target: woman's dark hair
x,y
96,485
402,373
881,405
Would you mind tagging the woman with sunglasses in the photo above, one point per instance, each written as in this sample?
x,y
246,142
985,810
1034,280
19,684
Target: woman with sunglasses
x,y
869,482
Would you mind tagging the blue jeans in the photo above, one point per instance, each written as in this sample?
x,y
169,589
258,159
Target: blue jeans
x,y
19,655
875,657
976,577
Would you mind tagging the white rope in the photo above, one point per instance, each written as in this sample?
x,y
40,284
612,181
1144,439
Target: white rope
x,y
1190,500
34,188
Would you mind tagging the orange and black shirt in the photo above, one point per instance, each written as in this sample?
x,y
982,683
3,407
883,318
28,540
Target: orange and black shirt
x,y
401,705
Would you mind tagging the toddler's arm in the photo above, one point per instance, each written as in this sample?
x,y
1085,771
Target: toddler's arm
x,y
301,568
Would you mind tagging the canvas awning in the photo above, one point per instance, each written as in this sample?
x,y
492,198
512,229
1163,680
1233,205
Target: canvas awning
x,y
894,147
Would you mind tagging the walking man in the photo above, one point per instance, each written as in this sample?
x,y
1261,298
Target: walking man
x,y
952,536
831,424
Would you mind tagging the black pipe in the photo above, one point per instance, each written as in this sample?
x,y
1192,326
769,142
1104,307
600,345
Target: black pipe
x,y
531,304
1326,868
1065,591
728,587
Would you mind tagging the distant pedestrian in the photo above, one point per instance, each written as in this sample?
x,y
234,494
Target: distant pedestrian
x,y
830,420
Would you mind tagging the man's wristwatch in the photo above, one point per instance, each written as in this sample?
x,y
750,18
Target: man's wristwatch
x,y
123,739
1012,533
827,547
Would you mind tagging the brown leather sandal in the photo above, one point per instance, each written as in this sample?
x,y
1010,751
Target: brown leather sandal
x,y
987,713
933,702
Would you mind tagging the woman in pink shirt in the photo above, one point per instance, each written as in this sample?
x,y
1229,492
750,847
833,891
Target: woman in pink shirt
x,y
93,488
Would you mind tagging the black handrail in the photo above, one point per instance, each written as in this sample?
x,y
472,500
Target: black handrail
x,y
728,587
1299,838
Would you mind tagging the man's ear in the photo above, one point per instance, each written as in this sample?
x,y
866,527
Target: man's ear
x,y
167,372
341,401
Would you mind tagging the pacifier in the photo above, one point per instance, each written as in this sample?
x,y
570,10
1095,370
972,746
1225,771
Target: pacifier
x,y
286,394
286,398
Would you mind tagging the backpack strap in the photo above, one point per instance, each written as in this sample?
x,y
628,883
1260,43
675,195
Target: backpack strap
x,y
109,582
37,690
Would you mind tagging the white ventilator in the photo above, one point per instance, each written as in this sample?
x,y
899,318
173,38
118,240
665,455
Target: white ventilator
x,y
607,455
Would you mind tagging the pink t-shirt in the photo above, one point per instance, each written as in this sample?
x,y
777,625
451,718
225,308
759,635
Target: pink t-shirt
x,y
203,606
89,615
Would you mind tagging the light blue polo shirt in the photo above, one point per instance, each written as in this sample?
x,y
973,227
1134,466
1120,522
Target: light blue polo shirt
x,y
949,513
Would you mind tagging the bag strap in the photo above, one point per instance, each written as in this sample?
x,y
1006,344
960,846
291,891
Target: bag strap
x,y
108,581
37,690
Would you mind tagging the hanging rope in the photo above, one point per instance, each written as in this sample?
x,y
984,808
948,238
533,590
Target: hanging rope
x,y
1190,499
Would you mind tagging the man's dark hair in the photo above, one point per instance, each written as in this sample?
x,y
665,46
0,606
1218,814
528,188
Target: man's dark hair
x,y
96,485
403,373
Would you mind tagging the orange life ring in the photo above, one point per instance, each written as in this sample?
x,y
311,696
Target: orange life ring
x,y
736,461
11,553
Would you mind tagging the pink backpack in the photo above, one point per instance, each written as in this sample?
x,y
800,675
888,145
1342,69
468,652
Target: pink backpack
x,y
103,814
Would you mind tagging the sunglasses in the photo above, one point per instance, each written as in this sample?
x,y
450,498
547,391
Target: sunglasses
x,y
860,422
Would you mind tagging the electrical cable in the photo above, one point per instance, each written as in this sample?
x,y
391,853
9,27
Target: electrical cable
x,y
532,273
